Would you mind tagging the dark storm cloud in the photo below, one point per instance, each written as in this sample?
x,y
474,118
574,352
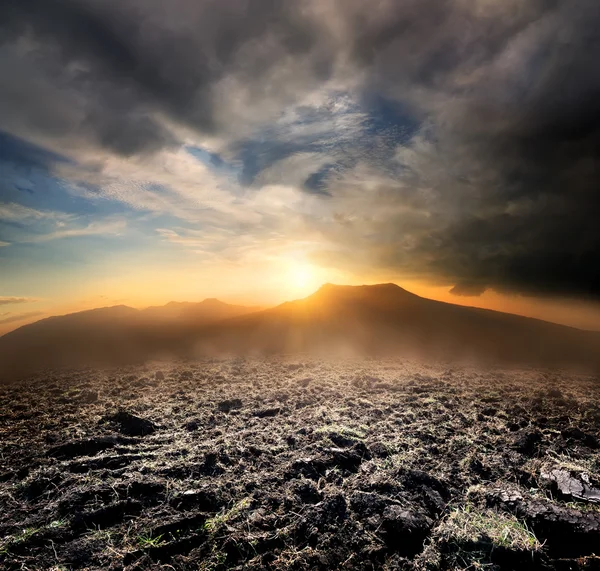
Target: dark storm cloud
x,y
531,225
492,108
509,150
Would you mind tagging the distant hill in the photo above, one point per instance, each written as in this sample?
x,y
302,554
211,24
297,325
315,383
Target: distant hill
x,y
109,335
336,320
205,311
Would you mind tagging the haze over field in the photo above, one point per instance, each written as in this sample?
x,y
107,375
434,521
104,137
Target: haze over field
x,y
336,321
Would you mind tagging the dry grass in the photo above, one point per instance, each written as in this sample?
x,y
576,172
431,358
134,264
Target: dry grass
x,y
470,538
471,525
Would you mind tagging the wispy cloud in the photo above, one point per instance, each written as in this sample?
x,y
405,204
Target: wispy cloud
x,y
111,227
15,300
18,212
36,226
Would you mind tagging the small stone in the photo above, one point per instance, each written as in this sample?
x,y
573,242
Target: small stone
x,y
577,487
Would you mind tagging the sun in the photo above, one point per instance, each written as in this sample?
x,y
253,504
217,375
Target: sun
x,y
301,278
301,275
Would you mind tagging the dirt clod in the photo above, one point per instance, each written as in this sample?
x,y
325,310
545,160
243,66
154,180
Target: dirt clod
x,y
230,404
129,424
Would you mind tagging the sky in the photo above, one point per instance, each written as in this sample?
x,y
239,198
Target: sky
x,y
251,150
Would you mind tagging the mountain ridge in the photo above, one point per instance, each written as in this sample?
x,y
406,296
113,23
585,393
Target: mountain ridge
x,y
385,319
380,319
100,311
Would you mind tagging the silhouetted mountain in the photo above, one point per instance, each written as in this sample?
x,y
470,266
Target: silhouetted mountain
x,y
386,319
109,335
208,310
336,320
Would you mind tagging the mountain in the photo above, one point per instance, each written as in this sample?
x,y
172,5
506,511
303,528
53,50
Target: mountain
x,y
109,335
208,310
385,319
373,320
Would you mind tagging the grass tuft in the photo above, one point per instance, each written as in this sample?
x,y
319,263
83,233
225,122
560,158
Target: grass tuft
x,y
214,524
146,540
469,538
348,431
471,525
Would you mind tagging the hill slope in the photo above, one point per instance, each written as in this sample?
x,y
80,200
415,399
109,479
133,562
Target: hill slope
x,y
109,335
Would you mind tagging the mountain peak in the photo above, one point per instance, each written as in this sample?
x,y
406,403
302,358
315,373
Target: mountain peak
x,y
212,301
375,289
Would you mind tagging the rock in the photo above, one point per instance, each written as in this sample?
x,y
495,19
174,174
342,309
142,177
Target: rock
x,y
159,376
577,487
130,424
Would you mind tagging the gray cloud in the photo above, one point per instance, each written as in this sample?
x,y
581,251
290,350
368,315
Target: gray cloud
x,y
122,64
496,185
112,68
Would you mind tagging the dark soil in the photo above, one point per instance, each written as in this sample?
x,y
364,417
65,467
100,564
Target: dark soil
x,y
304,465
